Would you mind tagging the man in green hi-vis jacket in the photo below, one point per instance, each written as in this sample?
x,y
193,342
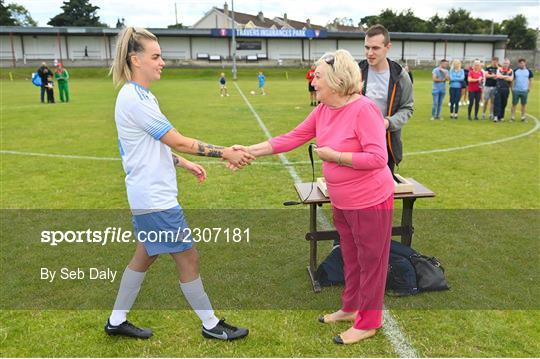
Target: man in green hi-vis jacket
x,y
61,75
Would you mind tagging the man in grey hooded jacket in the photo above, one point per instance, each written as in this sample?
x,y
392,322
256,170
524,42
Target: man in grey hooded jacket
x,y
390,86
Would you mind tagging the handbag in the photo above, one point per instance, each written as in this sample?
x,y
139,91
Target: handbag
x,y
429,273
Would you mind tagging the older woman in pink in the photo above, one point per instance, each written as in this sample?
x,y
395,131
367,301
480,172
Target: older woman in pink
x,y
350,136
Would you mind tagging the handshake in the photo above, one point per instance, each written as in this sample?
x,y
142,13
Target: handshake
x,y
238,157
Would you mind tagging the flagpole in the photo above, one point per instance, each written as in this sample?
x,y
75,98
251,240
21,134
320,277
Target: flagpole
x,y
233,43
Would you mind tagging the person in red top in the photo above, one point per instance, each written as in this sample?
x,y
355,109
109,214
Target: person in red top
x,y
310,75
476,78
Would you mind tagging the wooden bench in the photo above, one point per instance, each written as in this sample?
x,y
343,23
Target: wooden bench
x,y
316,199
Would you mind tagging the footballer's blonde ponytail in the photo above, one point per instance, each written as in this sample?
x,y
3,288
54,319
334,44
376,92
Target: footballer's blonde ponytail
x,y
128,44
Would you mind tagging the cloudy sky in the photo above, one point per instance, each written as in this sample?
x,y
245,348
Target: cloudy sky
x,y
160,13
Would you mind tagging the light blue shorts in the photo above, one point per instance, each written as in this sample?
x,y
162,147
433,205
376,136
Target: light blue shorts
x,y
163,232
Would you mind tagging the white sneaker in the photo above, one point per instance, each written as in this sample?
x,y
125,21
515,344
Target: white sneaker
x,y
433,119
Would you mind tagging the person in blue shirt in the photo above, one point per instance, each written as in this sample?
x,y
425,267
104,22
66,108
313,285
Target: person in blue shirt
x,y
522,85
439,76
223,85
262,81
456,75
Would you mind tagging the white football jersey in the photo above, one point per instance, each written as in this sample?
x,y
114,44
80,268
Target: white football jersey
x,y
150,172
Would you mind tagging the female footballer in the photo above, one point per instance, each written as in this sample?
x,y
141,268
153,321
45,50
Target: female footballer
x,y
146,139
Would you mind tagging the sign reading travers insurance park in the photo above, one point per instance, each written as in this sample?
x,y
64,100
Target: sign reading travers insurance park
x,y
308,33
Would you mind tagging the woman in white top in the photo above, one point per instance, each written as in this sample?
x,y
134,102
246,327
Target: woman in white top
x,y
146,139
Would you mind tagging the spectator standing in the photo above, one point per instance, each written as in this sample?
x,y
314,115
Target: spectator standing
x,y
522,86
505,76
43,73
475,79
439,76
490,88
387,83
262,81
456,75
61,76
49,87
223,85
310,75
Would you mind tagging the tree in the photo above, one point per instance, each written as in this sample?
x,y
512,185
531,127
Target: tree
x,y
460,22
20,15
77,13
519,36
5,15
435,24
405,21
176,26
368,21
341,21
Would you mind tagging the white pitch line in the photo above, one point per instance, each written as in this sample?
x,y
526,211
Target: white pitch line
x,y
285,161
263,127
77,157
292,171
37,154
460,148
391,327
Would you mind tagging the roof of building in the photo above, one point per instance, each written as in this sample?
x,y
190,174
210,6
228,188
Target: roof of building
x,y
258,20
103,31
299,24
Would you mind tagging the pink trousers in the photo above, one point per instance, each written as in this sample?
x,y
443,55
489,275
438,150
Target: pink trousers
x,y
365,236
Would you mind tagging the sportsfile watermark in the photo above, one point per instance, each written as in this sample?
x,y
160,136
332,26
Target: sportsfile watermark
x,y
119,235
257,258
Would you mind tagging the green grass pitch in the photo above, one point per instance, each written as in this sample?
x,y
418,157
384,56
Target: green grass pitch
x,y
483,225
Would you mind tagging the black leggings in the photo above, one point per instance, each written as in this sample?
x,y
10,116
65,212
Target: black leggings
x,y
474,97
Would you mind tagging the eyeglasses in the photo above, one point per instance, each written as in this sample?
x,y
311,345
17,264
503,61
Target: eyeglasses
x,y
330,60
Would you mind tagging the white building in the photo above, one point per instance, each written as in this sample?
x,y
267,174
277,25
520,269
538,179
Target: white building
x,y
20,46
217,18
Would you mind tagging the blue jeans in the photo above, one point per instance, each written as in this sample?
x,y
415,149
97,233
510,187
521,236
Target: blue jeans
x,y
438,98
455,94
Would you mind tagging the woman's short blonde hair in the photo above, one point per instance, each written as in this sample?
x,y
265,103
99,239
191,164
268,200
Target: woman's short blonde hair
x,y
344,75
129,43
456,64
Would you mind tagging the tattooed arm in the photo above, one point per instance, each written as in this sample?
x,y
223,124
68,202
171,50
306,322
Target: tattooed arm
x,y
195,169
180,143
205,149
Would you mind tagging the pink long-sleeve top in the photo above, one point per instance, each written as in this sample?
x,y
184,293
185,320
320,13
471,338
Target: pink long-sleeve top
x,y
359,128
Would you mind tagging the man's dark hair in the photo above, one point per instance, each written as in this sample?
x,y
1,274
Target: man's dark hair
x,y
443,60
494,58
522,60
378,29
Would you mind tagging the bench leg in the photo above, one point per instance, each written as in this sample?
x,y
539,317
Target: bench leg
x,y
312,268
406,221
